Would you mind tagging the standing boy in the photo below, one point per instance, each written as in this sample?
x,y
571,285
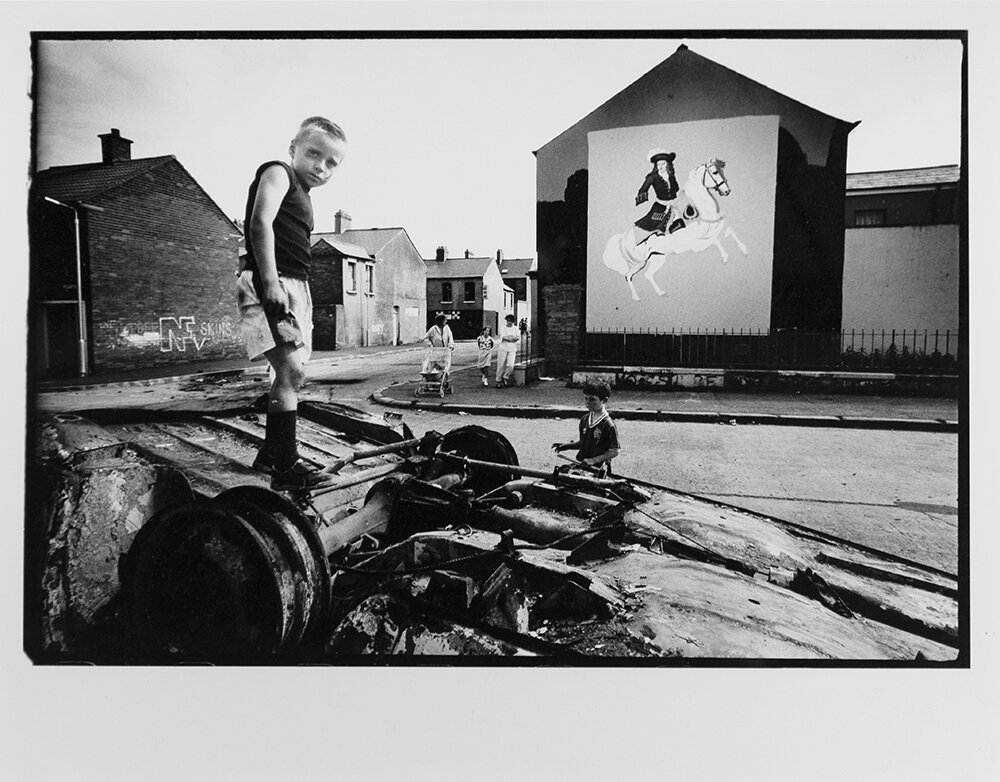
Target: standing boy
x,y
598,443
510,338
273,289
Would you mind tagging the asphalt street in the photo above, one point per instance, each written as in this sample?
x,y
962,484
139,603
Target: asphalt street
x,y
890,489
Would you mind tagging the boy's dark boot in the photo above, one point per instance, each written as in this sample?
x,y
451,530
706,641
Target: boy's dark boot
x,y
279,441
279,456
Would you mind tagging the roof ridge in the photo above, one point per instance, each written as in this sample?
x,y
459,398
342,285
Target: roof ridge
x,y
102,164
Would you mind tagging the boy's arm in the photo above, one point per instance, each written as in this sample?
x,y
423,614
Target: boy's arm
x,y
566,446
607,456
271,190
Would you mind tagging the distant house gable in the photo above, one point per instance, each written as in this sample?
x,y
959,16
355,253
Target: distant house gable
x,y
335,243
374,240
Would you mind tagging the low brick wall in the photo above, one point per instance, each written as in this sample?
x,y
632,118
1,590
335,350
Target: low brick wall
x,y
563,319
686,379
527,371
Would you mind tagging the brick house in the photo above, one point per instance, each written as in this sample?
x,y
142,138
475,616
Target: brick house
x,y
786,164
901,254
157,258
470,291
368,286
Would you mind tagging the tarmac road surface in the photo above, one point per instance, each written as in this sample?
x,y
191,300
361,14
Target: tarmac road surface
x,y
892,490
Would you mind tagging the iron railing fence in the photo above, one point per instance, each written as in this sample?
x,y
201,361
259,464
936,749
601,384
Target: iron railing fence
x,y
909,350
528,348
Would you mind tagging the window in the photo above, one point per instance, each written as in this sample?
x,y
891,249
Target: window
x,y
352,277
470,291
446,292
369,279
867,217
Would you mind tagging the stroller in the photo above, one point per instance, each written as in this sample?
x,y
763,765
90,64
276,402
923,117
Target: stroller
x,y
435,373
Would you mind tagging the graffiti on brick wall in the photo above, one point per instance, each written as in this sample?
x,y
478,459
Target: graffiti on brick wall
x,y
178,334
181,334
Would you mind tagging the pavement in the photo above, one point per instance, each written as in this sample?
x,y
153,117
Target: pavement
x,y
553,398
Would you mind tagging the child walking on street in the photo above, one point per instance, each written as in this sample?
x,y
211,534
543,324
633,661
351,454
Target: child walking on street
x,y
485,344
510,339
273,289
598,443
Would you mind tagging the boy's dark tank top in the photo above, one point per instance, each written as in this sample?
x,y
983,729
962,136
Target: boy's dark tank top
x,y
293,226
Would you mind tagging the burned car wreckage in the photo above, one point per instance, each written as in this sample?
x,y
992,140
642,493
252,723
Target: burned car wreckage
x,y
150,540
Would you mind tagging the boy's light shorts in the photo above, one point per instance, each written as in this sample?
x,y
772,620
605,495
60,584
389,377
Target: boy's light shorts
x,y
261,333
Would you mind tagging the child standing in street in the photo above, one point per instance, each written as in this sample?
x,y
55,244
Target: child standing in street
x,y
510,339
598,443
273,289
485,344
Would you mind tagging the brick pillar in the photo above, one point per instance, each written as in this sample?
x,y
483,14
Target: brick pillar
x,y
563,320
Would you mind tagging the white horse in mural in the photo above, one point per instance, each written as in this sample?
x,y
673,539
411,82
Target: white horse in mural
x,y
705,229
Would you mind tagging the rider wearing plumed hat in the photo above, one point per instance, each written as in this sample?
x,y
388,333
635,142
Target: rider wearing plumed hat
x,y
664,183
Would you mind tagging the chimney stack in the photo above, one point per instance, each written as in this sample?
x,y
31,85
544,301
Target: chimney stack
x,y
114,148
442,254
499,257
341,222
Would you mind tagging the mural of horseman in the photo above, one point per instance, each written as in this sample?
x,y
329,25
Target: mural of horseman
x,y
661,217
692,221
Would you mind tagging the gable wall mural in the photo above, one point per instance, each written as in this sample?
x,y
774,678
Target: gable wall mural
x,y
680,225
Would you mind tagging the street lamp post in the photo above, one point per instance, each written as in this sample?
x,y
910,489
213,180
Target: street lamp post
x,y
80,310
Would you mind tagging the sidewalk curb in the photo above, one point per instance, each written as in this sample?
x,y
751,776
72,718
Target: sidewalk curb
x,y
732,419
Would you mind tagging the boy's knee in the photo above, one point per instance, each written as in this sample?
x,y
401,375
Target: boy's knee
x,y
292,375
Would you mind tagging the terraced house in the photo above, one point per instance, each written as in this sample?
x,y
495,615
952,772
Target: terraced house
x,y
132,264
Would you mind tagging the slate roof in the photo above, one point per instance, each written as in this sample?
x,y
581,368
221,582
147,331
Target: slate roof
x,y
372,239
89,180
337,242
512,268
904,177
457,268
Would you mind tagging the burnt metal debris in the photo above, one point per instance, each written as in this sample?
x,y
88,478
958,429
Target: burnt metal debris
x,y
150,540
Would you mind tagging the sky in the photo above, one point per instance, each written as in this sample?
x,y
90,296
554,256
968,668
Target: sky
x,y
441,132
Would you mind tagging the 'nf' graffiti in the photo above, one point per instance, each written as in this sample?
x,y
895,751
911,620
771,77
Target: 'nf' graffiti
x,y
178,333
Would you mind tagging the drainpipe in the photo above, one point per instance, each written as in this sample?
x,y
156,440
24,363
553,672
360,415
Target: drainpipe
x,y
81,311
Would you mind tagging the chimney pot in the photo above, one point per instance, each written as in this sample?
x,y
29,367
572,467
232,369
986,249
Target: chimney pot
x,y
341,222
114,148
468,253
